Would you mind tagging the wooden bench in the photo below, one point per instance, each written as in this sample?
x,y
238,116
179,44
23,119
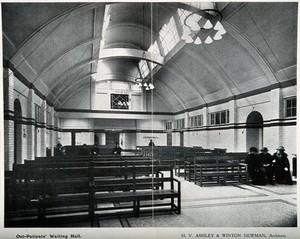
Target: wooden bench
x,y
221,173
48,196
68,164
188,164
92,158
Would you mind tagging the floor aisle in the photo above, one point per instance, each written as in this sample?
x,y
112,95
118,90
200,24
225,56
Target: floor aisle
x,y
235,205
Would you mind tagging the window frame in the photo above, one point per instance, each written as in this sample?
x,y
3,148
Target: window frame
x,y
127,107
215,118
290,108
196,121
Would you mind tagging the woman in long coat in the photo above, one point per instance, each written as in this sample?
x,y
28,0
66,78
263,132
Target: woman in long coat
x,y
282,167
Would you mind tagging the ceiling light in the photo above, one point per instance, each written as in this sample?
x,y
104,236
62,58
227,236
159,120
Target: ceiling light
x,y
208,25
218,36
208,19
189,39
146,83
208,40
198,41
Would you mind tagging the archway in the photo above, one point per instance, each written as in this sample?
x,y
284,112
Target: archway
x,y
254,132
17,132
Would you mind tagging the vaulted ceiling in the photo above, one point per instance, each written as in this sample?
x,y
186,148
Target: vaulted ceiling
x,y
55,46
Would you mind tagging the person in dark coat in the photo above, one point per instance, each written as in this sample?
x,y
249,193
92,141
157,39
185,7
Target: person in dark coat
x,y
116,150
60,151
268,164
255,167
84,150
151,143
95,150
282,167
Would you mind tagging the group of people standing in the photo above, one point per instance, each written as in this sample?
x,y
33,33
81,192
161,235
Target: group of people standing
x,y
266,168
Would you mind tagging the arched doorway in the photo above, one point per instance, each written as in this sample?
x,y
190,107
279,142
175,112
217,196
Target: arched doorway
x,y
254,132
17,132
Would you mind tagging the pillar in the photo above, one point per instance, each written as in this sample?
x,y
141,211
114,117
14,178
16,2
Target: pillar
x,y
31,126
43,128
233,121
205,113
52,131
8,88
277,113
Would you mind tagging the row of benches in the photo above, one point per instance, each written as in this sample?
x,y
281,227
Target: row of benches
x,y
74,150
167,154
41,193
211,169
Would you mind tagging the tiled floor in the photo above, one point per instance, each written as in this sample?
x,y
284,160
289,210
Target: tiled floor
x,y
236,205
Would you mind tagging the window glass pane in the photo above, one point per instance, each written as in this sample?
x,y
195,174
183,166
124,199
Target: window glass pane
x,y
218,120
48,118
169,36
144,68
227,120
288,103
291,107
154,48
212,119
223,117
119,101
182,15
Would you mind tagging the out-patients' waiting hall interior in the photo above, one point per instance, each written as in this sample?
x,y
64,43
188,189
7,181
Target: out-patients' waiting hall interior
x,y
142,114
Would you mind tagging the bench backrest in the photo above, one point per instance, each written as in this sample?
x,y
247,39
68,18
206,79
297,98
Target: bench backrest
x,y
230,166
70,164
33,182
92,158
36,172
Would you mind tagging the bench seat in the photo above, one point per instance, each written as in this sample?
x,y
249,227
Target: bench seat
x,y
41,194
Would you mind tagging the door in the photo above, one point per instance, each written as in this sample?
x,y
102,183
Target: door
x,y
73,138
254,131
169,139
17,132
181,139
111,139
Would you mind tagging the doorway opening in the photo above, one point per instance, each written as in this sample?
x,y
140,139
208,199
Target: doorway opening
x,y
254,130
17,132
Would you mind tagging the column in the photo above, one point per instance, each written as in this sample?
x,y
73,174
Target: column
x,y
205,113
8,90
52,131
277,113
186,134
43,128
31,126
233,121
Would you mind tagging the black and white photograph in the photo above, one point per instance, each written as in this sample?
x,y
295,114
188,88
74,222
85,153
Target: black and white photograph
x,y
149,120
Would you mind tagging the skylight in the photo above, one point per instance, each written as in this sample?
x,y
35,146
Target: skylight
x,y
169,36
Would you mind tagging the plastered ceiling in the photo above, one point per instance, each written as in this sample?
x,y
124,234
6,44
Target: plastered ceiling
x,y
55,46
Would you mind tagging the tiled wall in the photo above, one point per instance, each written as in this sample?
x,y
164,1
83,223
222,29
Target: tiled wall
x,y
14,89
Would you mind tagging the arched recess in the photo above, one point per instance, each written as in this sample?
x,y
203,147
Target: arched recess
x,y
17,132
254,132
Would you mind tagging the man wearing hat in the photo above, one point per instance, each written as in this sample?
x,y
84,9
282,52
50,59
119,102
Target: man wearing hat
x,y
255,166
282,167
267,161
